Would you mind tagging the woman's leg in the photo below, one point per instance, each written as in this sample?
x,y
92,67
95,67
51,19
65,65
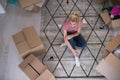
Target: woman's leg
x,y
72,43
80,41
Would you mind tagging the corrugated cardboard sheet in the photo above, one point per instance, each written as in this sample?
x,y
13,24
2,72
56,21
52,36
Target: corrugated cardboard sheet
x,y
35,70
113,44
26,3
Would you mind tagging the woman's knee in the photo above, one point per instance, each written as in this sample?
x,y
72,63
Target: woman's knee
x,y
84,44
72,43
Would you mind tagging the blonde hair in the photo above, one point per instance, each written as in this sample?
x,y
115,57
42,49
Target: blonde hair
x,y
74,17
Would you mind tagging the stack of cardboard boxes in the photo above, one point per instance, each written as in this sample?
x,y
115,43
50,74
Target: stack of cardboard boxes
x,y
110,66
29,45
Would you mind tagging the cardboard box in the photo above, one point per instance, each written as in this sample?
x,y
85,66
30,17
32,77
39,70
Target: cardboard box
x,y
111,23
110,66
35,70
32,5
115,2
27,41
113,44
101,1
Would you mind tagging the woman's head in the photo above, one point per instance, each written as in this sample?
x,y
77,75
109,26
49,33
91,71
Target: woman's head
x,y
74,17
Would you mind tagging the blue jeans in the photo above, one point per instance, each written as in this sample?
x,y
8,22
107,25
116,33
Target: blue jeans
x,y
78,41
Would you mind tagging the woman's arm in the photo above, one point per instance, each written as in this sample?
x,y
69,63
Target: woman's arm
x,y
73,35
76,34
68,44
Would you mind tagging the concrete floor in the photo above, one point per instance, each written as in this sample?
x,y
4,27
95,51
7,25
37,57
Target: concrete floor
x,y
13,21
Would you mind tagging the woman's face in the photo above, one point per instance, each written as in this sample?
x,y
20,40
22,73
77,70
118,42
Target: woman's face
x,y
73,23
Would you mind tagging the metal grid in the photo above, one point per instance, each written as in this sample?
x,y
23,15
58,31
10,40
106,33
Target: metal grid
x,y
92,28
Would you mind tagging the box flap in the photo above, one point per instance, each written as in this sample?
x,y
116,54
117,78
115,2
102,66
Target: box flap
x,y
26,61
22,47
18,37
113,44
26,3
32,37
38,50
30,72
101,1
106,18
40,4
46,75
35,8
113,60
29,8
37,65
115,23
108,71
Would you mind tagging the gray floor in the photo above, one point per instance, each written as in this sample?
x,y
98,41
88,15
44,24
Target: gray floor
x,y
13,21
10,23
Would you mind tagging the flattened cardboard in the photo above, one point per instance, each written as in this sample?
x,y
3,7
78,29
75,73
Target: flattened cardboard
x,y
105,16
113,60
38,50
30,72
26,3
31,37
46,75
108,70
38,66
113,44
18,37
22,47
26,61
115,23
28,69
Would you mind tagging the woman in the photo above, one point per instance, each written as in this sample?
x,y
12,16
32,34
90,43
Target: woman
x,y
72,37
